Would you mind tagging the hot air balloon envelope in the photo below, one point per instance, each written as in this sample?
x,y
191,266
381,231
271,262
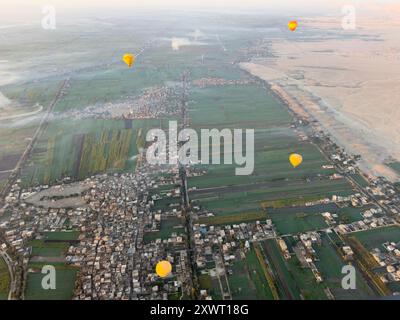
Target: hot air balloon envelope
x,y
295,159
129,59
292,25
163,268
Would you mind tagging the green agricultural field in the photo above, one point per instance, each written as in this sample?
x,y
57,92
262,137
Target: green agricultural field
x,y
230,107
61,235
225,194
256,274
227,202
205,281
91,88
215,290
286,283
374,238
395,166
48,249
394,286
360,180
310,289
4,280
3,181
350,214
271,162
15,134
28,94
13,141
294,281
293,223
330,265
65,283
231,206
274,180
282,203
10,152
159,64
80,148
166,188
167,202
240,282
246,216
168,226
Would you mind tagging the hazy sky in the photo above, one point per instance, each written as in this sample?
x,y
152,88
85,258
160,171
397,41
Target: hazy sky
x,y
19,8
19,4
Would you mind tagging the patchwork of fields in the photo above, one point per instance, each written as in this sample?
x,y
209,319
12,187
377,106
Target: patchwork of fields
x,y
330,265
375,238
79,148
4,280
275,190
221,191
51,251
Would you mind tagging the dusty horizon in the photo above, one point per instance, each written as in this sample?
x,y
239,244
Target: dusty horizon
x,y
21,6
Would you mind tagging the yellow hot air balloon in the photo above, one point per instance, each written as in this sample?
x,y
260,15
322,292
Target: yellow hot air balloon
x,y
295,159
292,25
163,268
129,59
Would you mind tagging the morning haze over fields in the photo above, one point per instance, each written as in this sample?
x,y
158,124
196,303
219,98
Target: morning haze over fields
x,y
77,191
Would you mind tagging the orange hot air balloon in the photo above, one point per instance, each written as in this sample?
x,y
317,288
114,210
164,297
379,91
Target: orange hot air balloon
x,y
129,59
292,25
163,268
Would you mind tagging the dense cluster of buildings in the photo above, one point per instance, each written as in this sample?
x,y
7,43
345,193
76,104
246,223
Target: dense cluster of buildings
x,y
153,103
388,257
218,247
109,237
216,82
111,213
